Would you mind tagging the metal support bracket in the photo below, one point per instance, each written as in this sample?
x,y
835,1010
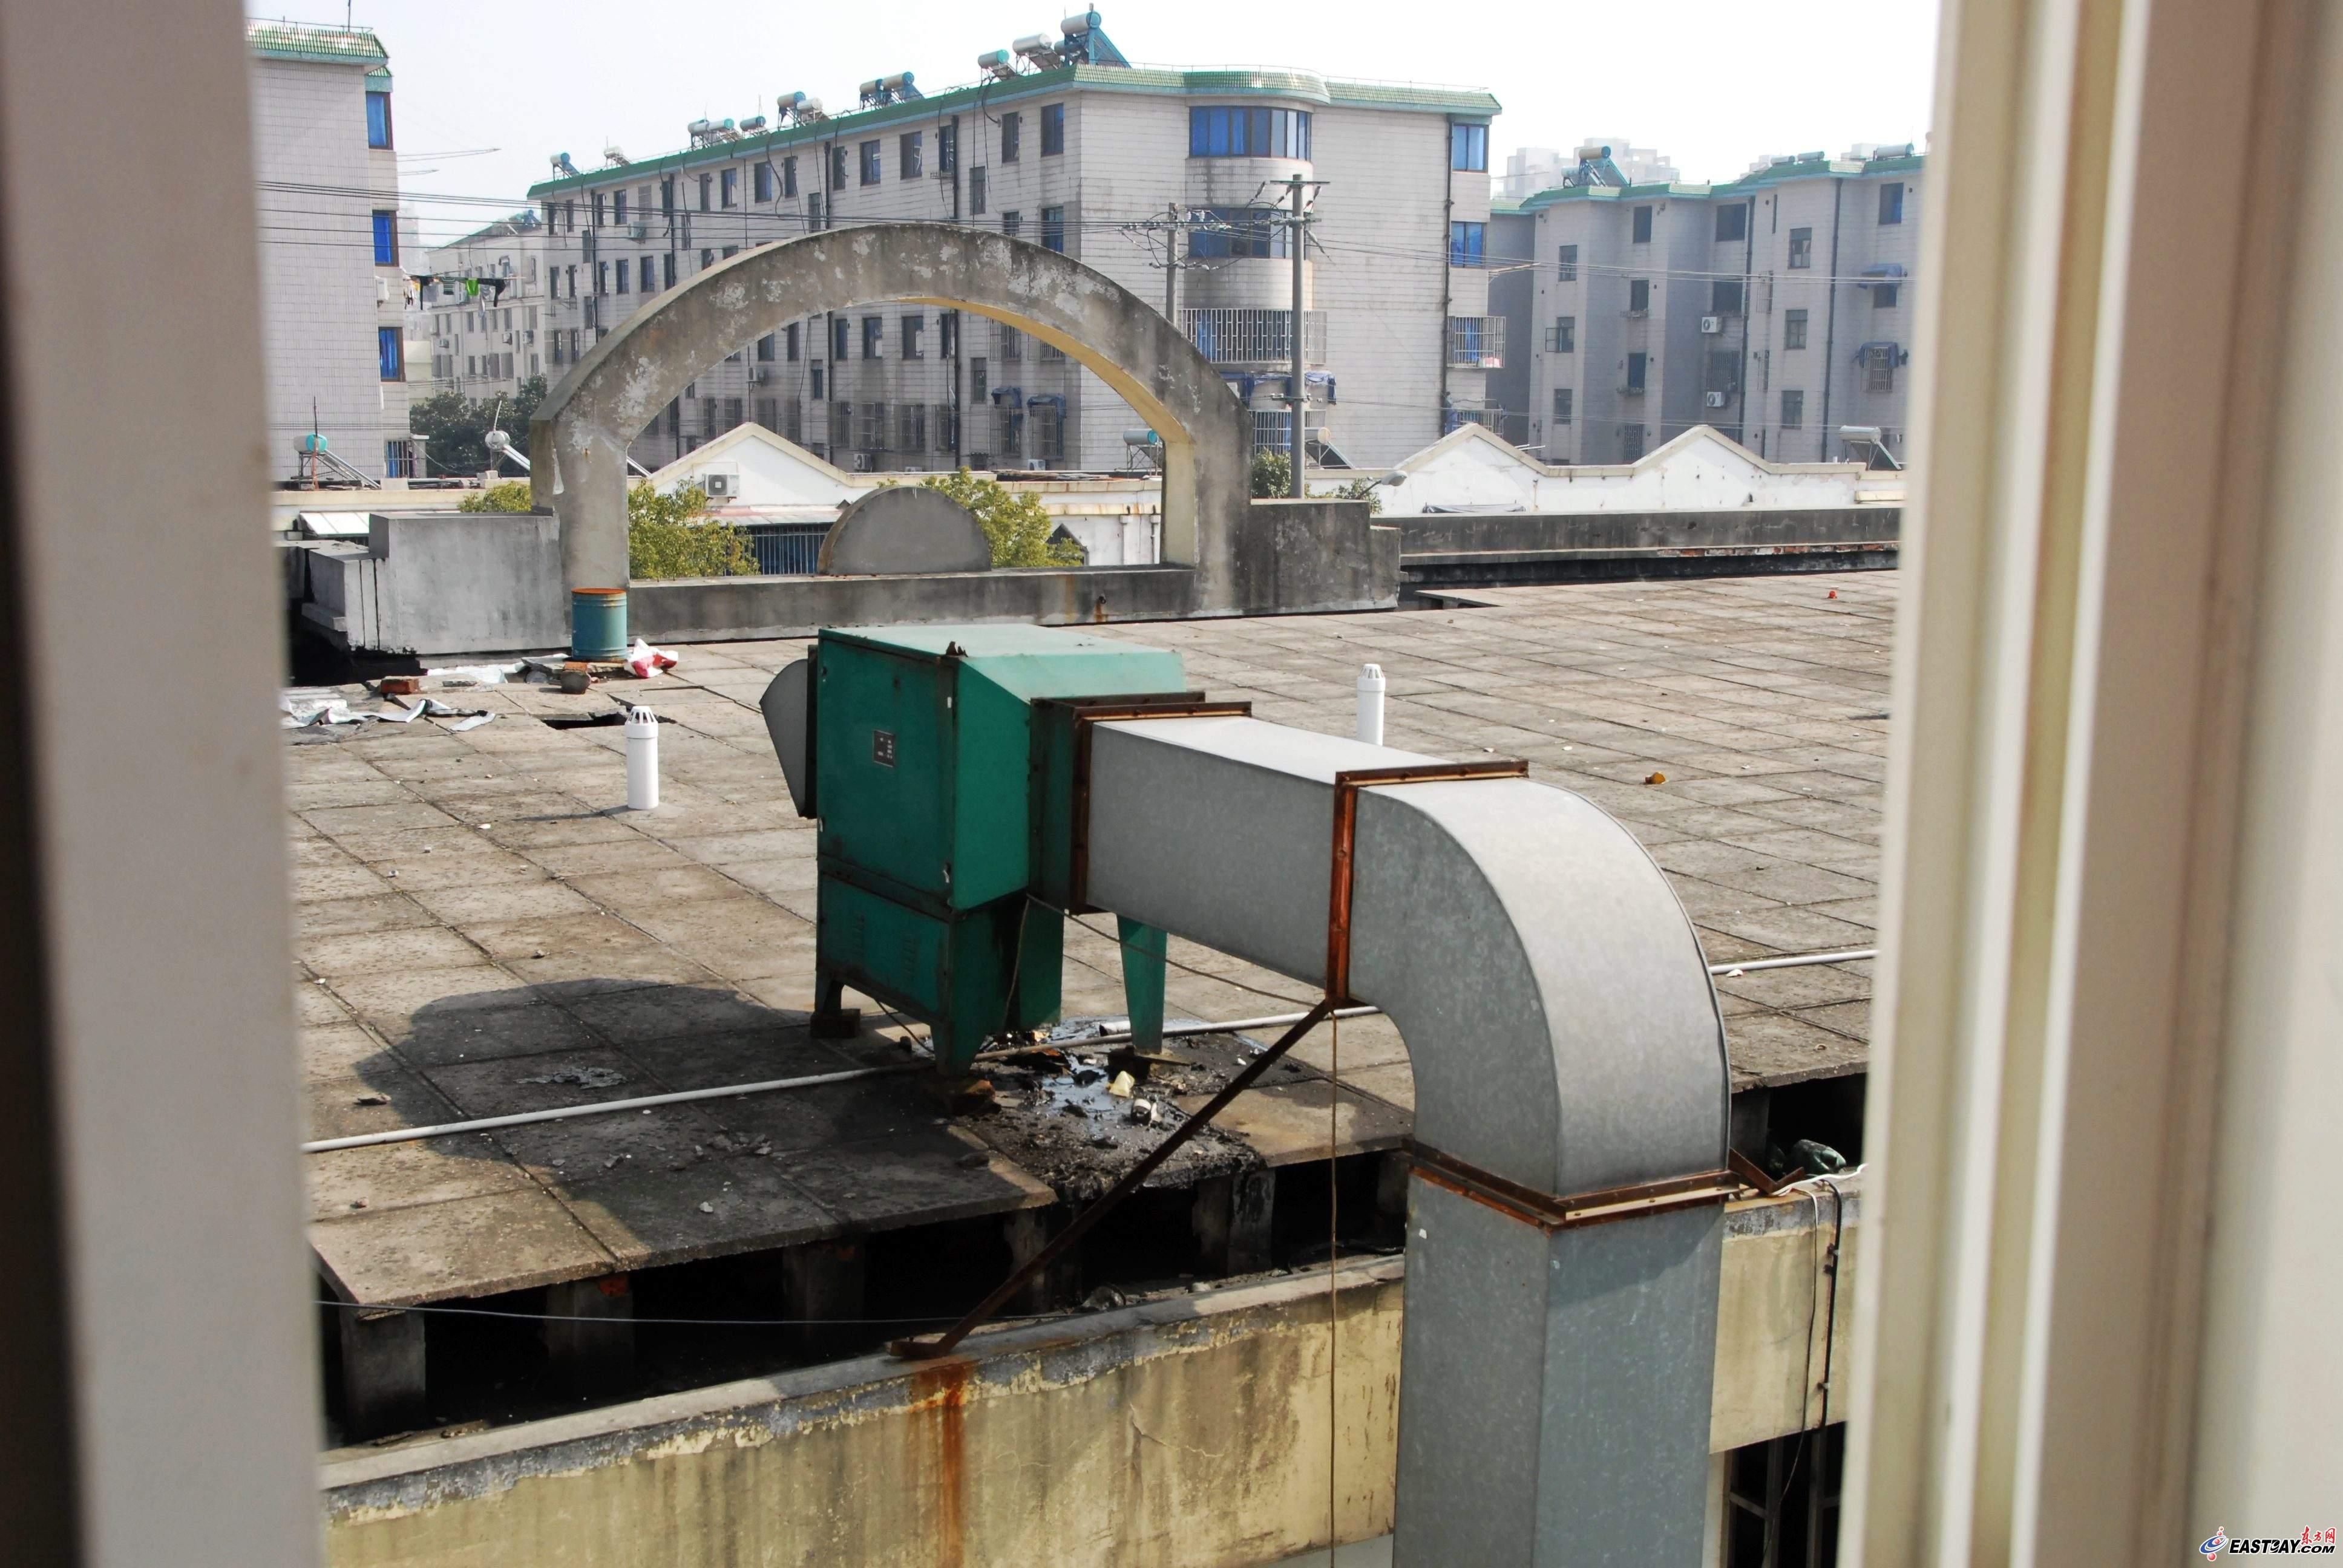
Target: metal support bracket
x,y
1549,1213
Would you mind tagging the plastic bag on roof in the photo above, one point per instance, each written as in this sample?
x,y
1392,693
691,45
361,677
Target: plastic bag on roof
x,y
647,662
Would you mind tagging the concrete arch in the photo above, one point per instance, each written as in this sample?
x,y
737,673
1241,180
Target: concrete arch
x,y
584,427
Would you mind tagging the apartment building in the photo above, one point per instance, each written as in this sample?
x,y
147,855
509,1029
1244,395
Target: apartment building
x,y
1775,307
483,307
1067,145
332,253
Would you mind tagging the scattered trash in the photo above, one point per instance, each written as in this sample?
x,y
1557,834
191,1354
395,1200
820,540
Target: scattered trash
x,y
1816,1156
1657,779
583,1077
647,662
1732,973
371,1099
1832,594
303,707
357,1202
486,825
574,679
1106,1298
399,685
707,1207
1146,1112
1121,1086
478,674
474,722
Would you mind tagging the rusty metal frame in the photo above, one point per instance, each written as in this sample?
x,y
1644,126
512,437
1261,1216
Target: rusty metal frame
x,y
1549,1213
1347,786
1095,711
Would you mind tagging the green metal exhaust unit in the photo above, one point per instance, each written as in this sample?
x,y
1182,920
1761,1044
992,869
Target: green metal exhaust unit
x,y
947,819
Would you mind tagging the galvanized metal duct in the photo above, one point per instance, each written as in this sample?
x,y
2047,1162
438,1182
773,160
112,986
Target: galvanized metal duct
x,y
1565,1043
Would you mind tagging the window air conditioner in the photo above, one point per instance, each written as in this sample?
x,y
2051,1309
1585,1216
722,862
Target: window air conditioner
x,y
639,231
1710,326
1715,399
759,375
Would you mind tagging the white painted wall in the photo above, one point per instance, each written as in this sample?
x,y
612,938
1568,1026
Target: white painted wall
x,y
1470,470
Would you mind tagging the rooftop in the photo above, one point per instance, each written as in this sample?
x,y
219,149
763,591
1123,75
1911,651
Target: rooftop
x,y
316,44
481,932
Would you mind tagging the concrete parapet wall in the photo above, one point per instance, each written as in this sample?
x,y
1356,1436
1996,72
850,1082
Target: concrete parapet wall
x,y
438,583
1185,1433
719,609
1465,550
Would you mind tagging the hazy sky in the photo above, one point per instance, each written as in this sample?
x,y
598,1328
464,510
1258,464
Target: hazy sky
x,y
1711,83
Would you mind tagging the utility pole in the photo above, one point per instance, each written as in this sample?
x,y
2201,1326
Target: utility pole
x,y
1172,264
1297,395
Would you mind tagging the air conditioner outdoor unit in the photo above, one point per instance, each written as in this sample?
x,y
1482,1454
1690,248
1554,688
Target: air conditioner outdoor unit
x,y
639,231
718,485
1715,399
759,375
863,463
1711,325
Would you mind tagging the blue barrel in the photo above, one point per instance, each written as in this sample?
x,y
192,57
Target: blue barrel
x,y
598,622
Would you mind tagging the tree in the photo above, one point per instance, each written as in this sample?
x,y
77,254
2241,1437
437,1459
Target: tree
x,y
1017,526
1273,474
671,536
511,496
455,427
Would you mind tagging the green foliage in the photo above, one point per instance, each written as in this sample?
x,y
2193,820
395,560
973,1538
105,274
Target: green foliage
x,y
1018,526
510,495
1365,490
671,536
1273,474
455,427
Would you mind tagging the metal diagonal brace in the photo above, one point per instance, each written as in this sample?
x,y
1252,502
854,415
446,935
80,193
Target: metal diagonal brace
x,y
928,1350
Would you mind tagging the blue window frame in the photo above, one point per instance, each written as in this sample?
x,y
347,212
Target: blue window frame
x,y
378,119
1232,131
1053,129
1464,243
1468,147
385,238
1239,231
1053,228
392,352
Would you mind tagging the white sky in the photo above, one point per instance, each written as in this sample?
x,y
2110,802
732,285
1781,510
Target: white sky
x,y
1712,84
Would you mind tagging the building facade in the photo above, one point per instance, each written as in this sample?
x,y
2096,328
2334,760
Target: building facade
x,y
1113,165
485,341
1776,308
332,253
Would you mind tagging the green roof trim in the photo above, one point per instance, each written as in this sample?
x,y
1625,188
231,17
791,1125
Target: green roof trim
x,y
1219,82
1748,184
316,45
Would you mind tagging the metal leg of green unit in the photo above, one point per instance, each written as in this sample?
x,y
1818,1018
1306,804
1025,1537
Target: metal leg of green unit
x,y
590,1332
822,1286
831,1018
1233,1219
1027,1231
382,1371
1144,948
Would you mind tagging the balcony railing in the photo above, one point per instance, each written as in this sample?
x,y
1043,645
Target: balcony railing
x,y
1476,342
1238,336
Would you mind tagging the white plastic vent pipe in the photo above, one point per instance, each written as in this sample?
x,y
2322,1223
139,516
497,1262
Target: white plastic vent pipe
x,y
1371,704
642,760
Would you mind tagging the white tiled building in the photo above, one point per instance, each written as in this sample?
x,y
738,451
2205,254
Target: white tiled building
x,y
483,342
332,283
1070,154
1776,308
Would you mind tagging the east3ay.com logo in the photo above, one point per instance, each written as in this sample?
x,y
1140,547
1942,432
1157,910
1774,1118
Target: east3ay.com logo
x,y
2319,1541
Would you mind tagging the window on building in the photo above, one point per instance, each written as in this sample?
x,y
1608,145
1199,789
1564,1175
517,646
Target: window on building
x,y
766,347
601,278
1794,329
1561,401
788,177
626,274
870,170
1631,443
814,382
790,342
388,345
732,413
378,119
837,166
666,270
910,426
730,251
948,332
1012,133
761,182
793,419
667,196
1468,147
1879,368
727,186
976,191
1725,296
1884,295
1793,410
1636,364
914,329
385,238
1465,241
1642,225
1240,231
874,336
1565,264
706,259
649,276
1802,247
1639,296
947,148
1053,129
619,209
707,192
1564,337
1733,222
1233,132
841,339
1013,345
1891,202
978,387
813,211
1011,223
1053,228
599,212
911,155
